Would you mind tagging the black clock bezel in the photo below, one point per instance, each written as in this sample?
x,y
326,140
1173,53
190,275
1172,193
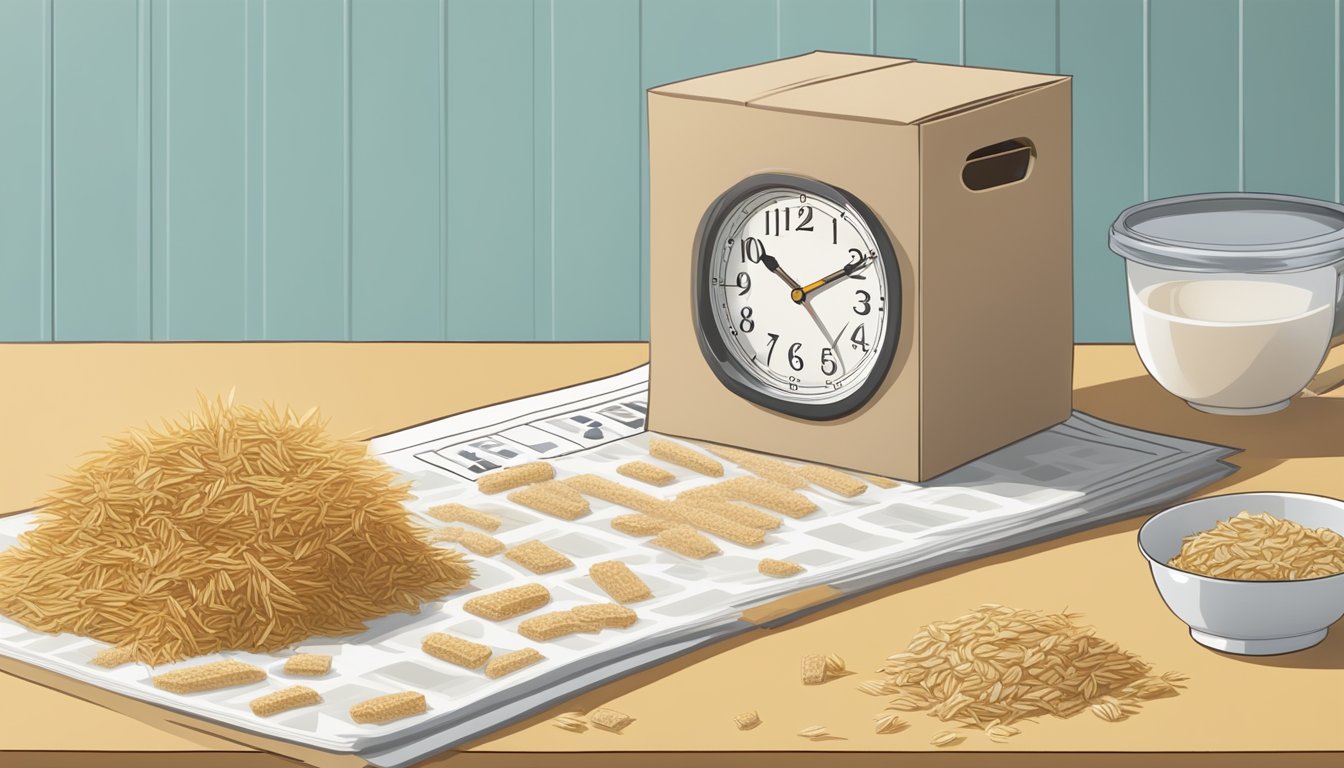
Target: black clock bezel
x,y
726,367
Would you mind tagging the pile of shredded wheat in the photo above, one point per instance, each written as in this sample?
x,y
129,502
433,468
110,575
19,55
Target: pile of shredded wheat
x,y
997,665
1262,548
238,529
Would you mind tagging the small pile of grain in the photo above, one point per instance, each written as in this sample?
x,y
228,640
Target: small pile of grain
x,y
1262,548
997,665
238,529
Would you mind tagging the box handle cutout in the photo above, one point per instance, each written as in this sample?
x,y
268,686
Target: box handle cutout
x,y
998,164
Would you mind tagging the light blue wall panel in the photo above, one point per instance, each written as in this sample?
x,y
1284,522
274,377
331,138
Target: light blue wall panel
x,y
25,166
1101,45
254,292
305,248
686,38
543,315
199,180
928,30
1289,97
1193,110
596,224
839,25
100,169
396,87
1019,34
489,187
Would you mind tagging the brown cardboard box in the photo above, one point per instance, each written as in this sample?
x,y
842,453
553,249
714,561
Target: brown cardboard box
x,y
985,347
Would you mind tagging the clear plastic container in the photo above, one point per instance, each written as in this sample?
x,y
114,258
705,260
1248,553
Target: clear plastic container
x,y
1234,298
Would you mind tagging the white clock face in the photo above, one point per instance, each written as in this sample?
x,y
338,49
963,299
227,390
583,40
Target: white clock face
x,y
799,292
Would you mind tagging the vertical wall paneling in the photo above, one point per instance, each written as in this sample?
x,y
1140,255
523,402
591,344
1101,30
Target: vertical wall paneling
x,y
839,25
25,165
1193,108
200,175
1015,35
543,144
1289,97
100,260
1101,45
394,141
596,222
928,30
686,38
490,139
305,237
254,171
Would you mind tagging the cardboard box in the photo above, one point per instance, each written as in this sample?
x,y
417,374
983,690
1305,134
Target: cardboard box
x,y
985,345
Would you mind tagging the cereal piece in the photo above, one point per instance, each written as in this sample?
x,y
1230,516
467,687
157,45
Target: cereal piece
x,y
814,669
833,480
308,664
880,481
779,568
456,650
835,667
113,657
481,543
570,721
538,558
772,496
640,524
762,466
283,700
738,513
876,688
461,513
683,456
645,472
393,706
512,662
685,540
616,579
607,615
710,522
609,719
817,733
507,603
553,498
747,720
514,477
946,739
208,677
549,626
889,722
614,492
1001,733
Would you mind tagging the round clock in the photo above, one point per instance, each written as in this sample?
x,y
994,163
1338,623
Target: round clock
x,y
797,296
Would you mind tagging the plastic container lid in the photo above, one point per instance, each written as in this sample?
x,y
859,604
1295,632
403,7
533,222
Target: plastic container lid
x,y
1231,232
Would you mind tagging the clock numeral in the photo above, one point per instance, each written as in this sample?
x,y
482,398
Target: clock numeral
x,y
860,338
752,250
865,302
856,262
774,337
795,361
828,365
804,218
744,282
747,325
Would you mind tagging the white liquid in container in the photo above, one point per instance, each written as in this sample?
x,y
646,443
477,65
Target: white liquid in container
x,y
1227,343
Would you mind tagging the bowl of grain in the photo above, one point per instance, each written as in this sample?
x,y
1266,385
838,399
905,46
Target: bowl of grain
x,y
1250,573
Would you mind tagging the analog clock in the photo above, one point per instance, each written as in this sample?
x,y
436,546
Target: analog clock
x,y
797,296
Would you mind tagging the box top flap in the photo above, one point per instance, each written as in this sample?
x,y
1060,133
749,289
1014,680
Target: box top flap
x,y
913,93
743,85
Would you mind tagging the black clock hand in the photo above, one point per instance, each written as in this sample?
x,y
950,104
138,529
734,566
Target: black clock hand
x,y
772,264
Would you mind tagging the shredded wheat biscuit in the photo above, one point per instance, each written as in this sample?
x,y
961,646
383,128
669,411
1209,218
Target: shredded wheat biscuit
x,y
833,480
710,522
308,664
113,657
553,498
645,472
606,615
456,650
393,706
507,603
538,558
640,524
208,677
616,579
737,513
460,513
683,456
880,481
512,662
514,477
778,568
764,493
480,543
283,700
685,540
747,720
609,719
549,626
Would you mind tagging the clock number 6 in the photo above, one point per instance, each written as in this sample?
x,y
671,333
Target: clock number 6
x,y
795,362
747,325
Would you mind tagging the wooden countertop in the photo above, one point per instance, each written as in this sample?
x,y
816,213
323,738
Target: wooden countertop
x,y
59,400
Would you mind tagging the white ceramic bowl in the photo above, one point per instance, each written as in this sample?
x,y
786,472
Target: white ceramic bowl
x,y
1256,618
